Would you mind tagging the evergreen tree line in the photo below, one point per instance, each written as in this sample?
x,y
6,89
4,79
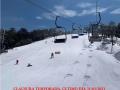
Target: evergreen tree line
x,y
103,32
110,30
14,38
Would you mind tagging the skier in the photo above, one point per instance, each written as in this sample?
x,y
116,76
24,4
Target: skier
x,y
29,65
52,55
17,61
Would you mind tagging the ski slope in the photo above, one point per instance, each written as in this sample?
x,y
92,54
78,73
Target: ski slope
x,y
78,65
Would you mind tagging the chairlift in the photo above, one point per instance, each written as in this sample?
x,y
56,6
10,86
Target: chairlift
x,y
74,32
57,38
80,31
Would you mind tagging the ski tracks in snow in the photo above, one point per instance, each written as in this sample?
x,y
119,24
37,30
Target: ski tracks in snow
x,y
87,53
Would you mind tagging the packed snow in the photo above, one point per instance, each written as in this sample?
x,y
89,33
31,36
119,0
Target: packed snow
x,y
78,63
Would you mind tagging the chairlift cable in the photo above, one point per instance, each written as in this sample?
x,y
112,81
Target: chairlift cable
x,y
47,10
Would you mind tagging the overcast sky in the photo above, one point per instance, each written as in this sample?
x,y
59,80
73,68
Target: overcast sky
x,y
22,13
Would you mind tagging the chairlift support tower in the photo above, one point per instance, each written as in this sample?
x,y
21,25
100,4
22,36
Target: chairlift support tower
x,y
95,26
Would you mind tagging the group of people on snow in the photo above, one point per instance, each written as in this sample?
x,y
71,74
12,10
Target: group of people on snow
x,y
17,62
29,64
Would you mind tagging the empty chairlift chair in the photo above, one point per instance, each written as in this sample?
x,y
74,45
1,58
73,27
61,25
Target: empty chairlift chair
x,y
59,29
80,31
74,32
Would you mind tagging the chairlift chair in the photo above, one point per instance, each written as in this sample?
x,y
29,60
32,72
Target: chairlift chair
x,y
80,31
59,28
74,32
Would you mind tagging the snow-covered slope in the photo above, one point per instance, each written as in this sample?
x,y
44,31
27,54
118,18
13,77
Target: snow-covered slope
x,y
78,64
